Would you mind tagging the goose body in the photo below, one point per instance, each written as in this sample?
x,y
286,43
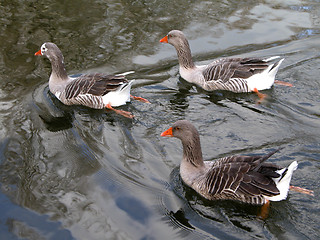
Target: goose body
x,y
94,90
244,178
231,74
85,90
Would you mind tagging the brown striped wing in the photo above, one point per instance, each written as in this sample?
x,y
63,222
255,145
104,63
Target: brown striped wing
x,y
227,68
96,84
242,175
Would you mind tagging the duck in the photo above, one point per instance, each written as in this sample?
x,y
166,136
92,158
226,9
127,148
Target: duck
x,y
248,179
93,90
237,75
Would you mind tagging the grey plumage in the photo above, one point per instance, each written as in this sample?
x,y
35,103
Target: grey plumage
x,y
87,89
244,178
231,74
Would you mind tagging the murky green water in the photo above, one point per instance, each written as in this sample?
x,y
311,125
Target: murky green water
x,y
77,173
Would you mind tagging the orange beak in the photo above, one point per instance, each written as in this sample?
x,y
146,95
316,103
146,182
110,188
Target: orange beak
x,y
167,133
165,39
38,53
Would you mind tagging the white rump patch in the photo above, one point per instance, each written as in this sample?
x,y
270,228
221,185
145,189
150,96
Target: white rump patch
x,y
118,97
264,80
125,73
283,183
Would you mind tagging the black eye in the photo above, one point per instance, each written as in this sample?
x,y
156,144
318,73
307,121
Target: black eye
x,y
177,128
169,35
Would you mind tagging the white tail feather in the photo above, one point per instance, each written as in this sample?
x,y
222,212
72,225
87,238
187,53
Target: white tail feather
x,y
265,79
118,97
283,182
274,70
271,58
125,73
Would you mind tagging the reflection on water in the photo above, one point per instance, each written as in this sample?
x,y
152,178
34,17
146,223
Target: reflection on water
x,y
77,173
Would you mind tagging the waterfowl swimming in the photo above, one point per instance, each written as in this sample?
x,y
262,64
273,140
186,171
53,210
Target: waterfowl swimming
x,y
231,74
244,178
94,90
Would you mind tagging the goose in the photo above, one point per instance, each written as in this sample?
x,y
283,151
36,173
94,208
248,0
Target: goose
x,y
231,74
94,90
247,179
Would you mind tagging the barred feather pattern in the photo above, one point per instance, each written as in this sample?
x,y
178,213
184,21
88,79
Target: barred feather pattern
x,y
247,179
88,89
231,73
243,178
237,85
87,100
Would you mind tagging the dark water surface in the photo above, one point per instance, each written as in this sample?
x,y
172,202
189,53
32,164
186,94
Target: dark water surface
x,y
77,173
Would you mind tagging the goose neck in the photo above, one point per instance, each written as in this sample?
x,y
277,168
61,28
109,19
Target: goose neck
x,y
58,68
184,55
192,152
